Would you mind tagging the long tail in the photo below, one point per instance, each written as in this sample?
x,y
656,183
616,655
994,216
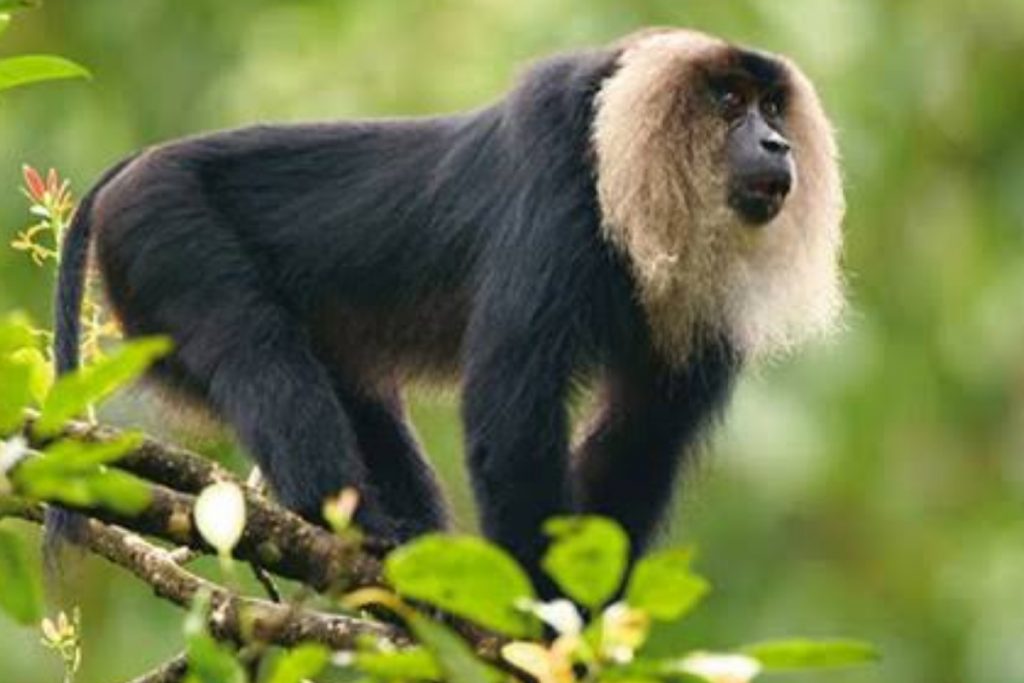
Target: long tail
x,y
61,524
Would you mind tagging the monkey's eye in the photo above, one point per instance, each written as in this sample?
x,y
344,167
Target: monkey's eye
x,y
729,99
773,106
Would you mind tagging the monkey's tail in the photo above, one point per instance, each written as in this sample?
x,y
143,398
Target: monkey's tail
x,y
61,524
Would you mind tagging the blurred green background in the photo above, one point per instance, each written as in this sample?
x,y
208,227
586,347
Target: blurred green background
x,y
872,488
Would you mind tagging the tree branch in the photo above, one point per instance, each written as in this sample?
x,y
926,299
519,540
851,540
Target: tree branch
x,y
171,671
275,538
232,617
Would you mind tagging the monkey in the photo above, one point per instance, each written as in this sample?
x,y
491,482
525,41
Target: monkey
x,y
646,218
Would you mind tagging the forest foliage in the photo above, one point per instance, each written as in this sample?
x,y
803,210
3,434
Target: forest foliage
x,y
874,487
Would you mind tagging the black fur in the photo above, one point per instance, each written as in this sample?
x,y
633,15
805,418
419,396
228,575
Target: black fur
x,y
766,71
71,277
304,272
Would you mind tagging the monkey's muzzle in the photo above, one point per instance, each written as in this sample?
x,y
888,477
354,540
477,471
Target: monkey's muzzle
x,y
759,197
762,167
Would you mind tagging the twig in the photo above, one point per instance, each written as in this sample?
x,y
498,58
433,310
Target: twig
x,y
20,508
171,671
183,555
233,617
152,460
268,583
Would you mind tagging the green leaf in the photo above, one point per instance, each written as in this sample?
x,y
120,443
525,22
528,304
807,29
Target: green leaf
x,y
15,376
5,21
797,654
111,489
26,69
299,664
40,372
15,333
15,394
664,586
83,456
19,372
650,671
21,595
210,662
75,473
410,664
587,558
73,393
119,491
10,5
457,661
466,576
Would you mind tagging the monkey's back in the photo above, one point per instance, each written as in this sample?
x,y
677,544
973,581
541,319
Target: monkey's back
x,y
370,235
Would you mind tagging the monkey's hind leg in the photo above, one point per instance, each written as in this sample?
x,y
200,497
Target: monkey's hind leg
x,y
409,491
279,399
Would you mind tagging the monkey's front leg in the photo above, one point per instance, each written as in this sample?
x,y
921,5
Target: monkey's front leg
x,y
517,441
651,419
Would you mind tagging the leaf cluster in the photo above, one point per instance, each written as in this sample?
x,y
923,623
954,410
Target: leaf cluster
x,y
66,470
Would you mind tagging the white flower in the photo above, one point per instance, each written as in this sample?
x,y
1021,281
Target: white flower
x,y
721,668
12,451
343,659
220,515
547,665
339,510
560,615
623,630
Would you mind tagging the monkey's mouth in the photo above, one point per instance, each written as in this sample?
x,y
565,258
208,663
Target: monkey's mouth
x,y
759,199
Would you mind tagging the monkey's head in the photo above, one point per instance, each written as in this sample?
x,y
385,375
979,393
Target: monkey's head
x,y
718,180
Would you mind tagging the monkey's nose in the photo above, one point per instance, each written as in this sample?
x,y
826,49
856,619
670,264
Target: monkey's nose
x,y
775,144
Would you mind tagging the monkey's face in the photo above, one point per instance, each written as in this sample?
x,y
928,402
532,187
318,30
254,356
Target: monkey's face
x,y
749,100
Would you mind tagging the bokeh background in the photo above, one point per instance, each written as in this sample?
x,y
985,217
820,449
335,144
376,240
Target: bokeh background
x,y
873,487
